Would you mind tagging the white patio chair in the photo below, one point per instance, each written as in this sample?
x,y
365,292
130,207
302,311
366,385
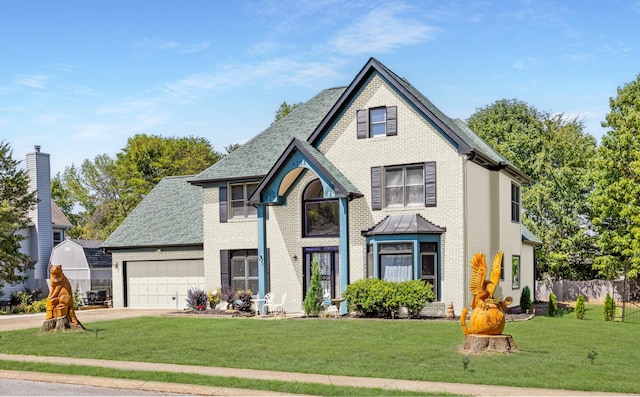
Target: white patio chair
x,y
268,303
278,307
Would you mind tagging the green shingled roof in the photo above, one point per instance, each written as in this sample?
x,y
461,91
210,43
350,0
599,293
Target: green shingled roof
x,y
170,215
255,158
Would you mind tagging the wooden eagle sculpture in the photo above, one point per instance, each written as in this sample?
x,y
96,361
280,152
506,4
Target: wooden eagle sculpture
x,y
487,313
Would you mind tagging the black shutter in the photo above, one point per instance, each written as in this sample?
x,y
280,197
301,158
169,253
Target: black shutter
x,y
392,120
225,278
376,188
223,204
362,123
430,184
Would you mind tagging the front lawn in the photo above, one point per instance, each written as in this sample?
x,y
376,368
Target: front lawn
x,y
554,352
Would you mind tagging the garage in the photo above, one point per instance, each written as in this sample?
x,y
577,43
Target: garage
x,y
162,283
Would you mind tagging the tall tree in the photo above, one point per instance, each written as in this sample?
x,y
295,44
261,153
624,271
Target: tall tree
x,y
285,109
554,152
15,203
106,190
616,198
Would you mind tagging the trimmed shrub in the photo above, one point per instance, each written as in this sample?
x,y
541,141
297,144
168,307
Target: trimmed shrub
x,y
525,299
365,296
373,297
313,298
552,308
580,309
609,308
196,299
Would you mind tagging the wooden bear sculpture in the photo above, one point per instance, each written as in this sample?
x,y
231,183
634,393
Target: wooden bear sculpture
x,y
60,299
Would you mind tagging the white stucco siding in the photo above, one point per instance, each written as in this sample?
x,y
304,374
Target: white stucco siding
x,y
417,142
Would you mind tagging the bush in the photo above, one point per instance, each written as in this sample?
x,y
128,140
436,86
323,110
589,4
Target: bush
x,y
580,309
552,308
242,300
609,308
525,299
237,300
379,297
414,295
38,306
365,296
313,298
196,299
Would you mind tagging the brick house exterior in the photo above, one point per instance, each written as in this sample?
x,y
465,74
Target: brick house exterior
x,y
373,181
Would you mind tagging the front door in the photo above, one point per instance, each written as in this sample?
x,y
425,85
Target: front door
x,y
329,270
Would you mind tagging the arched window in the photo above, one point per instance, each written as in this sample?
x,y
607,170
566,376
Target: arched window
x,y
321,216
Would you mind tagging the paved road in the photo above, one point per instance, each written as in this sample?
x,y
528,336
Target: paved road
x,y
13,387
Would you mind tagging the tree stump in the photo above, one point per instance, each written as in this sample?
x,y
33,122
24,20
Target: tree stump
x,y
476,343
59,324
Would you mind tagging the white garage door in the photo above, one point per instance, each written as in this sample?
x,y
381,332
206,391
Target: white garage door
x,y
162,284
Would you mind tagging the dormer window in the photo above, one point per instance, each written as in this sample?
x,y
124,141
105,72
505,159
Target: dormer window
x,y
376,122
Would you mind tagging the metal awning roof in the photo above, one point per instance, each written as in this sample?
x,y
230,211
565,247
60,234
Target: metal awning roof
x,y
403,224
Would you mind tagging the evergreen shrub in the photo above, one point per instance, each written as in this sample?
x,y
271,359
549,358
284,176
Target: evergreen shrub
x,y
579,309
609,308
552,308
313,298
525,299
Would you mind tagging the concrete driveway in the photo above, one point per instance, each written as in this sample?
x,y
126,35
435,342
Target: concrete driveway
x,y
23,321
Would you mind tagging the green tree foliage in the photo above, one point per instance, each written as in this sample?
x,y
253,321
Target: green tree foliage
x,y
313,298
106,190
554,152
285,109
616,198
15,203
580,308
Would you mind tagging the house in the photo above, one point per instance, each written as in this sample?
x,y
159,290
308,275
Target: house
x,y
47,227
85,264
371,179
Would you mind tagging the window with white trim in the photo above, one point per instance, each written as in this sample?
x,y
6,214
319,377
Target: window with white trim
x,y
403,185
244,270
376,122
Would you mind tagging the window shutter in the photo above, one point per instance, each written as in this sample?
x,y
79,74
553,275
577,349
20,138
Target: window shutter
x,y
430,184
392,120
267,270
225,279
376,188
362,123
223,204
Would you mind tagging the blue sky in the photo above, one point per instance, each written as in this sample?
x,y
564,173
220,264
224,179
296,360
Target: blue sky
x,y
80,77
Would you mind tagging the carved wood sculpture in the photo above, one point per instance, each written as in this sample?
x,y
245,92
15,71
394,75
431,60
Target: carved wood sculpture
x,y
487,315
60,309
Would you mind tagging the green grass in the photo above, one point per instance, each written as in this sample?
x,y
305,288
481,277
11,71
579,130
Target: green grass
x,y
553,351
217,381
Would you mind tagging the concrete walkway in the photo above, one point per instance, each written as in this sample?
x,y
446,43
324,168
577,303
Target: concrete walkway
x,y
30,321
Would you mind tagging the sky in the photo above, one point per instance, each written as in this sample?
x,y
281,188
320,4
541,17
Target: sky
x,y
79,78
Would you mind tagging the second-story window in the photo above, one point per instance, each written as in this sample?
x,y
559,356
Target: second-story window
x,y
239,206
375,122
515,203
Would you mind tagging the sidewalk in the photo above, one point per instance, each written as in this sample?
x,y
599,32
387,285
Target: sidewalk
x,y
409,385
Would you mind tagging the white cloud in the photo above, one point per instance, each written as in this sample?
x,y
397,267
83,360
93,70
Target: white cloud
x,y
382,30
33,81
